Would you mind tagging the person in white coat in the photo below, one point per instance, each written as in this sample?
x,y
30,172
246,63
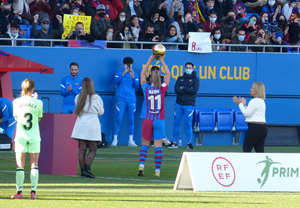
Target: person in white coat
x,y
87,127
255,117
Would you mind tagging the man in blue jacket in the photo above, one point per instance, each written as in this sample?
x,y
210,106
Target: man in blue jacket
x,y
127,82
70,86
186,88
7,120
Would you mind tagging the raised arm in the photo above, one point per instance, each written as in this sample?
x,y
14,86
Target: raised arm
x,y
167,71
146,67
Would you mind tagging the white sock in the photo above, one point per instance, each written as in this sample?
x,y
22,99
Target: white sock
x,y
130,138
142,165
157,170
115,138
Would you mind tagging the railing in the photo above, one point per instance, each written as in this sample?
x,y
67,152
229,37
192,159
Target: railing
x,y
141,44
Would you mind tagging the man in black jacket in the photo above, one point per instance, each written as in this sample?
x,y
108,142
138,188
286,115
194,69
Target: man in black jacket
x,y
186,88
80,34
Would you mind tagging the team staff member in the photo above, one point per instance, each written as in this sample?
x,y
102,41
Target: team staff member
x,y
28,111
186,88
70,86
127,82
7,120
153,113
255,117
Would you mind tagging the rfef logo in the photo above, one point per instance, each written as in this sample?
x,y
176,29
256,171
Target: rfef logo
x,y
223,171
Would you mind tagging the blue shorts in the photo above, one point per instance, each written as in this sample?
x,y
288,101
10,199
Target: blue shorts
x,y
154,128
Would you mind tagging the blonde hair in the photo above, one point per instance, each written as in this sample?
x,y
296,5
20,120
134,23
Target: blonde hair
x,y
87,89
27,87
155,77
259,89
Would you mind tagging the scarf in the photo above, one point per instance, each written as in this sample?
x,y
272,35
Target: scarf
x,y
196,13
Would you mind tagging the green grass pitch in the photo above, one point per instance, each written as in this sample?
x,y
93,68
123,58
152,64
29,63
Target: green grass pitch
x,y
117,184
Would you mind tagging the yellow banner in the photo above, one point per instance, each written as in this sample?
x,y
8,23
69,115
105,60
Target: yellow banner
x,y
70,22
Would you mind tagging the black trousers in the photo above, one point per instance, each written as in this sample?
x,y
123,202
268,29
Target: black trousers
x,y
255,137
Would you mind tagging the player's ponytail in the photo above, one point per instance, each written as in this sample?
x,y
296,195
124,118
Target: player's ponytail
x,y
27,87
87,89
155,77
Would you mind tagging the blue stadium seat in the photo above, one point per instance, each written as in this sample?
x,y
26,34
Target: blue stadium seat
x,y
206,119
224,119
196,121
27,35
239,120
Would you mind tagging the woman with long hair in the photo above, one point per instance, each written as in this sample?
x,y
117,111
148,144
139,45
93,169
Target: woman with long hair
x,y
87,127
217,38
255,117
153,113
28,111
260,38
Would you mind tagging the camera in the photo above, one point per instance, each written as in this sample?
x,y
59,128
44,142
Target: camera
x,y
161,38
76,32
259,35
128,65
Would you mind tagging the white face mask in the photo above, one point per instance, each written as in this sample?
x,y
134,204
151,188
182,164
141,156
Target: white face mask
x,y
182,19
75,13
271,3
217,36
212,19
122,19
193,0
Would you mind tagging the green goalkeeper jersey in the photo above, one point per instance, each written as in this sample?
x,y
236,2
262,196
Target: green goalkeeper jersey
x,y
28,110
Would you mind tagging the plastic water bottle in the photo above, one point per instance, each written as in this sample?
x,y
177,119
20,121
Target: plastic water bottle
x,y
179,142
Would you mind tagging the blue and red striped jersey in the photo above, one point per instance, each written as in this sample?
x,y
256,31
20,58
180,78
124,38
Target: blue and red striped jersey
x,y
154,102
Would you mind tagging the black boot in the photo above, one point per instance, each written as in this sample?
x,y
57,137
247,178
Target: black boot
x,y
103,143
87,172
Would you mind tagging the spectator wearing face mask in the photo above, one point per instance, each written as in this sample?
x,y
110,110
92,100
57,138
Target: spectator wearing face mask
x,y
217,38
99,23
7,18
229,25
120,21
149,36
250,27
208,9
148,5
40,7
272,8
263,21
283,24
239,40
113,7
210,24
45,33
12,32
240,11
158,22
64,9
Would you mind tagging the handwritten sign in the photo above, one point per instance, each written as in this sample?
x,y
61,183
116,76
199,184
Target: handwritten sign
x,y
199,42
70,22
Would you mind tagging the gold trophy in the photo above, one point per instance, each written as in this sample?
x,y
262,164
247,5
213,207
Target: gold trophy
x,y
158,51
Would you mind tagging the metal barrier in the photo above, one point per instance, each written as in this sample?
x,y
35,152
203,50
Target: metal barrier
x,y
296,47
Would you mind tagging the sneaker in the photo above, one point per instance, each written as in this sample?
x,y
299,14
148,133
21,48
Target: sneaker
x,y
157,174
141,171
166,142
114,143
103,145
87,174
173,145
33,196
190,146
132,144
17,196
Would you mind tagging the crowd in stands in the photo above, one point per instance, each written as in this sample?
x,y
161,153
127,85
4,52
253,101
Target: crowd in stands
x,y
256,22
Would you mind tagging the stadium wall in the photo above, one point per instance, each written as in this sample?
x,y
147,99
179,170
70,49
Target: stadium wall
x,y
222,75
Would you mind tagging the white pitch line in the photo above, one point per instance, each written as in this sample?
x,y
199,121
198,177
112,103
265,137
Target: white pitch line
x,y
102,177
